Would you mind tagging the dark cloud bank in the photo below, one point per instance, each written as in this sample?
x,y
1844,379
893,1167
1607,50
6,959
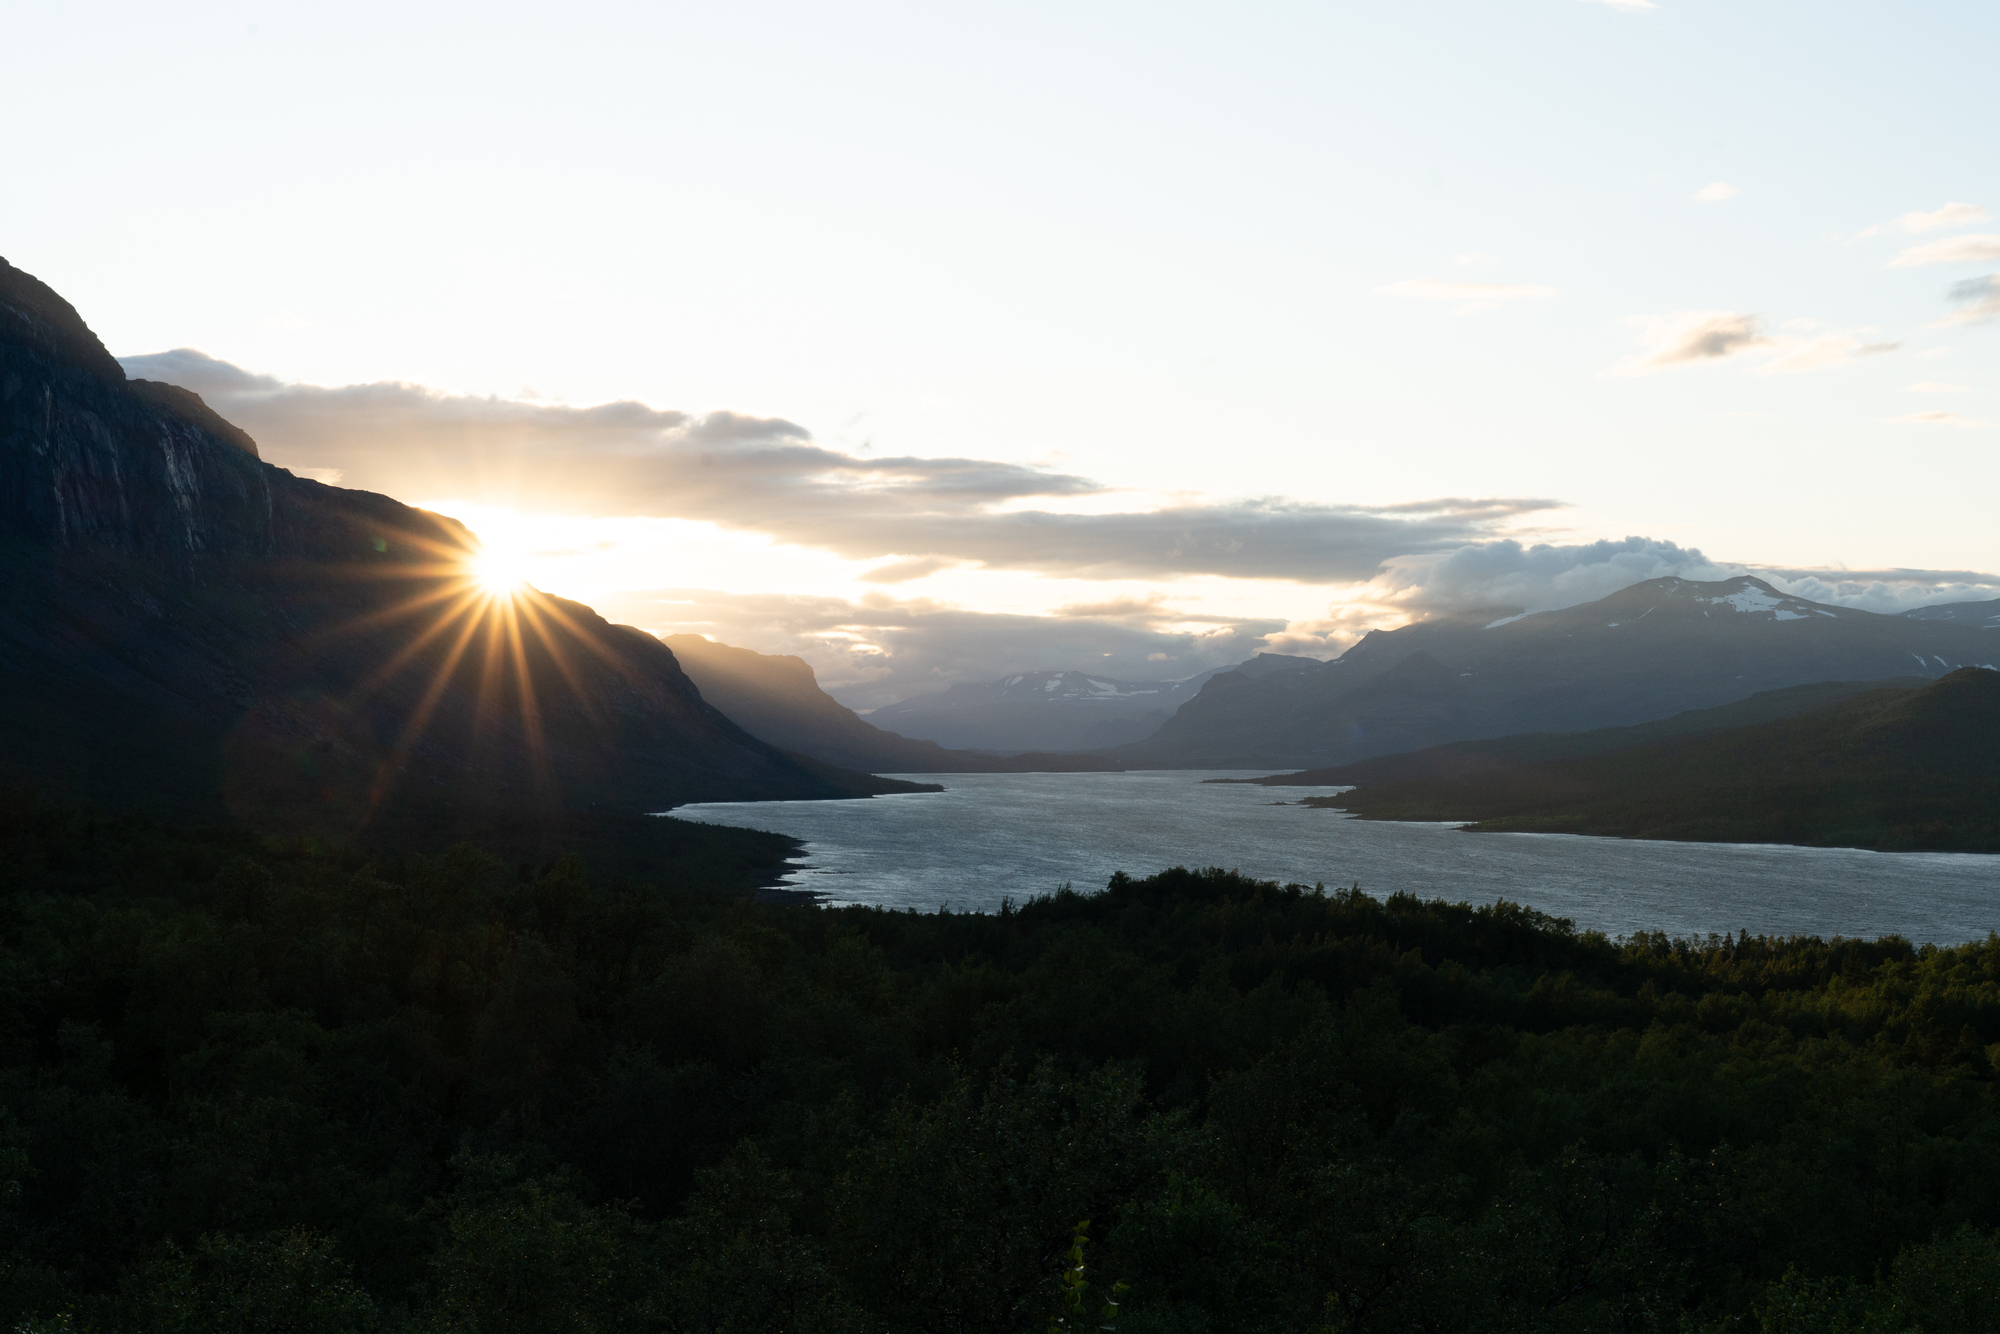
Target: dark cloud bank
x,y
921,514
767,475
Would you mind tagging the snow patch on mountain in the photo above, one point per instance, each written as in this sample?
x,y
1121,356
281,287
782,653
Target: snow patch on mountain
x,y
1748,599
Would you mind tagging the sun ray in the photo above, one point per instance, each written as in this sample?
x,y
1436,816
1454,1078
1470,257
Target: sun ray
x,y
471,623
403,656
617,661
420,717
532,612
531,709
386,616
490,692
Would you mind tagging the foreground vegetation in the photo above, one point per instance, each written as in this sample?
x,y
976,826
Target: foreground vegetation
x,y
248,1085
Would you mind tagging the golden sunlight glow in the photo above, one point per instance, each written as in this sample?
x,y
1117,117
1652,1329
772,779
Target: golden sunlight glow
x,y
501,573
474,610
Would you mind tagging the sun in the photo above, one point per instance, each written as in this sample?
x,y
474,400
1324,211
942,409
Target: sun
x,y
501,573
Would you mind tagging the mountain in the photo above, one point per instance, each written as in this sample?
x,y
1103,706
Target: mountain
x,y
1891,769
1984,614
1649,651
188,630
1462,759
1040,711
777,698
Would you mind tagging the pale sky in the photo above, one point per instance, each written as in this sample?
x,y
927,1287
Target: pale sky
x,y
1164,312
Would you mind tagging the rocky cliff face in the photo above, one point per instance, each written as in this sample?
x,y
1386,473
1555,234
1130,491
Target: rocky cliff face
x,y
188,629
94,460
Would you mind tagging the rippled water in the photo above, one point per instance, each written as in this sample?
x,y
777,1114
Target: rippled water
x,y
988,836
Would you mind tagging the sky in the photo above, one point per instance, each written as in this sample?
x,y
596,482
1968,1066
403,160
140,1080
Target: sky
x,y
934,343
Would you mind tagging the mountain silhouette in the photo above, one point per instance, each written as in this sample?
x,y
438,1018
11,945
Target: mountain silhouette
x,y
1040,711
778,698
188,630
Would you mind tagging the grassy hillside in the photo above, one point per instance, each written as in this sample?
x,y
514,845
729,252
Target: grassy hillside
x,y
249,1086
1889,769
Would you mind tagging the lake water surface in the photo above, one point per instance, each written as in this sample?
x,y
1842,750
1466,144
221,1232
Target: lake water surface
x,y
989,836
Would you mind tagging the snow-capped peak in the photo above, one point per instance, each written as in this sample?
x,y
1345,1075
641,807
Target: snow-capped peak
x,y
1745,594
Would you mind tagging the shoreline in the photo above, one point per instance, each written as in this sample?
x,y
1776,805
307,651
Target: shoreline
x,y
770,886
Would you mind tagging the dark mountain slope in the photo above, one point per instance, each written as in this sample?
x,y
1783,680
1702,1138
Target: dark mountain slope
x,y
189,630
777,698
1985,614
1511,752
1647,652
1892,769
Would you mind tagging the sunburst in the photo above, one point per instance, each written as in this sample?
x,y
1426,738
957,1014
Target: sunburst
x,y
470,601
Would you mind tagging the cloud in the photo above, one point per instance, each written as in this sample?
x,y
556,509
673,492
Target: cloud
x,y
879,650
1147,608
1935,419
1828,350
918,515
1953,250
1716,193
902,571
1951,215
767,475
1471,296
1885,591
1979,296
1936,387
1505,575
1473,259
1693,337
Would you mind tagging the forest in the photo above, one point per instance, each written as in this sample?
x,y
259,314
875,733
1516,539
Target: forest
x,y
252,1083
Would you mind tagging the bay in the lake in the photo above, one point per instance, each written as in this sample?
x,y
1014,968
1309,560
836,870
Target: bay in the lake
x,y
993,836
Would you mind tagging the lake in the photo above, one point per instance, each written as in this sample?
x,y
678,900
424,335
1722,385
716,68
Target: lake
x,y
993,836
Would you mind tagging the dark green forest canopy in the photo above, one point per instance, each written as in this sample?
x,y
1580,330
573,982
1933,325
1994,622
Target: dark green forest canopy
x,y
247,1084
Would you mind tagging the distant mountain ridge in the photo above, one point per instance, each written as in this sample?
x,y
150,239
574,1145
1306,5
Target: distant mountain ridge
x,y
188,630
1040,711
1984,613
1646,652
777,698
